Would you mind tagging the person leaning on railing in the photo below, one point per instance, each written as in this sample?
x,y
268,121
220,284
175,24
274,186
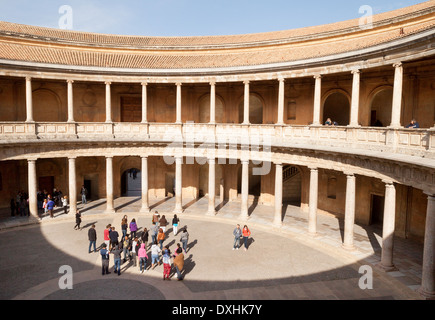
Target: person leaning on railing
x,y
413,124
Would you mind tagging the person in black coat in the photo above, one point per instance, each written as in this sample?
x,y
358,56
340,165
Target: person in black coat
x,y
92,235
78,220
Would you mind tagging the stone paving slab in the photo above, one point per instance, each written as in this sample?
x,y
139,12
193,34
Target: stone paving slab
x,y
206,280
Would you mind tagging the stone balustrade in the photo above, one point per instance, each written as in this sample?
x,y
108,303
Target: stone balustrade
x,y
414,142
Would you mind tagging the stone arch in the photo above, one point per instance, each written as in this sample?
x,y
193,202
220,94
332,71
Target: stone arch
x,y
204,109
336,105
380,104
47,106
256,106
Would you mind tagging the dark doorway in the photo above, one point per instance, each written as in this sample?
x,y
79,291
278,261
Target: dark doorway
x,y
131,184
131,109
47,184
88,186
377,209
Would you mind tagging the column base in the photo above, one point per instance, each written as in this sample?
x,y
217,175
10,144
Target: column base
x,y
244,217
178,210
348,247
425,294
145,210
109,211
381,267
211,213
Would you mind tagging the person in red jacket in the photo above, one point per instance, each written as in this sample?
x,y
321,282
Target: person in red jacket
x,y
246,233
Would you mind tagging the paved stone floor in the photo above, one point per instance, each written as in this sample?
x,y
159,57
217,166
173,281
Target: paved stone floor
x,y
283,263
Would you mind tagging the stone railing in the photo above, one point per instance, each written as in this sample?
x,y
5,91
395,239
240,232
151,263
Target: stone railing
x,y
415,142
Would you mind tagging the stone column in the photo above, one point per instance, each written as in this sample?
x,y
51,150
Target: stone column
x,y
144,180
108,102
349,216
211,186
317,99
33,198
354,108
427,288
144,103
178,185
178,103
277,221
72,185
312,215
70,100
246,103
109,185
388,227
281,102
29,100
397,95
245,190
212,102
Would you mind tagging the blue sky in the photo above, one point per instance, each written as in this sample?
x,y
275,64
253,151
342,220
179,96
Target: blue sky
x,y
190,17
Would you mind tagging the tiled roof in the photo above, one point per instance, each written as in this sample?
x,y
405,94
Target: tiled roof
x,y
53,46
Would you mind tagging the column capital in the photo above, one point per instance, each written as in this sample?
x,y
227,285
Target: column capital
x,y
317,76
281,79
28,78
144,83
246,82
70,81
32,159
313,168
244,161
397,64
349,174
211,160
178,84
107,83
212,82
355,71
72,158
388,183
109,157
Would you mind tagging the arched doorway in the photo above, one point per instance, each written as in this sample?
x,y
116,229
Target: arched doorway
x,y
131,183
337,107
380,107
255,110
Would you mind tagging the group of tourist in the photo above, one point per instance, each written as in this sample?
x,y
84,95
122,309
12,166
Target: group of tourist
x,y
133,247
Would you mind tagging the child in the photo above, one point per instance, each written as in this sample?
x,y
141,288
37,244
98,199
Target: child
x,y
65,203
166,265
44,206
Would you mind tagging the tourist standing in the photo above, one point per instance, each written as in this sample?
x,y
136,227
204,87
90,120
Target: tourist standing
x,y
184,238
124,226
156,217
116,251
166,265
143,257
50,207
105,259
65,204
84,193
113,235
246,233
163,223
92,236
237,235
126,247
154,231
175,222
134,250
179,262
106,235
133,228
161,237
144,236
155,250
78,220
